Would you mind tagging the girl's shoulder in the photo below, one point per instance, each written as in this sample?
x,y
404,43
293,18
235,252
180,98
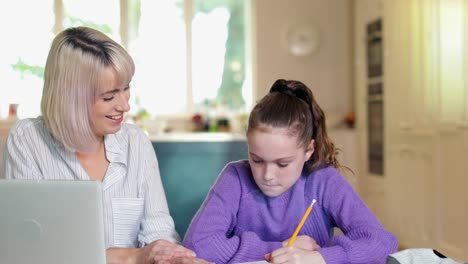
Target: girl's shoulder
x,y
325,177
242,166
239,170
239,173
325,173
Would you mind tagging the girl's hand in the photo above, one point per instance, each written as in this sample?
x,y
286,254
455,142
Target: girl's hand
x,y
295,255
303,242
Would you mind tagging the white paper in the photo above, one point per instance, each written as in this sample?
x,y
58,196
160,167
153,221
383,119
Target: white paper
x,y
255,262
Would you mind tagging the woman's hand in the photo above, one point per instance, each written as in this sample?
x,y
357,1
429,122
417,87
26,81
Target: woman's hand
x,y
163,249
295,255
152,253
183,260
303,242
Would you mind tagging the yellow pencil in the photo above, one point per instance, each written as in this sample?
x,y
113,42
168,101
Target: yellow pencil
x,y
299,226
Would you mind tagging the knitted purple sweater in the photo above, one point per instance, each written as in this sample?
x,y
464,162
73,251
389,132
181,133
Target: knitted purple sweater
x,y
237,223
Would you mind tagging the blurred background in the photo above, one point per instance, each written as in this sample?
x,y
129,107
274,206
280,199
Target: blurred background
x,y
389,74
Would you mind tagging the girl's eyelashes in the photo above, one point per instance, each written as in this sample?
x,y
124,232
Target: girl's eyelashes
x,y
279,164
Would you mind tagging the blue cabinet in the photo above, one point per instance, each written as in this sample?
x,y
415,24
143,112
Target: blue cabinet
x,y
189,169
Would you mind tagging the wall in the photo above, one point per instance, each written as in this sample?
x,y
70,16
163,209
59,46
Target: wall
x,y
327,72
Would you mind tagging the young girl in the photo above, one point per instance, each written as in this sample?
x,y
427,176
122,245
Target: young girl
x,y
254,207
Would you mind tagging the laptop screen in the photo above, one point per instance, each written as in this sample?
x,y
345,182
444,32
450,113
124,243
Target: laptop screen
x,y
51,222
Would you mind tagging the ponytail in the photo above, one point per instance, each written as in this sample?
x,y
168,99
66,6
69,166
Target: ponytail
x,y
291,104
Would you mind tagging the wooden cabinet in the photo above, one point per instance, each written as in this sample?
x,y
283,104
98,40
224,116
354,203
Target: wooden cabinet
x,y
451,203
422,196
411,171
189,165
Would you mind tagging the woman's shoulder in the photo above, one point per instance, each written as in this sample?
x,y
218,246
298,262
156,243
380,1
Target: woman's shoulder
x,y
129,138
131,129
131,132
27,125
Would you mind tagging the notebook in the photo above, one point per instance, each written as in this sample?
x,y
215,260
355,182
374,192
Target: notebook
x,y
51,222
256,262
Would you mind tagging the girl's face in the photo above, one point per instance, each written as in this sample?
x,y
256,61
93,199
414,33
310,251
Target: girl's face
x,y
107,113
276,159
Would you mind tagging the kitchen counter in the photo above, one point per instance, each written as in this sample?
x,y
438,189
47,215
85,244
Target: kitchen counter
x,y
197,137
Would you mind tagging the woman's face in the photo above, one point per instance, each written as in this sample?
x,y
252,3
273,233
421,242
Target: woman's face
x,y
108,110
276,159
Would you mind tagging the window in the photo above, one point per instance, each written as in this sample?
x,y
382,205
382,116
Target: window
x,y
23,54
190,55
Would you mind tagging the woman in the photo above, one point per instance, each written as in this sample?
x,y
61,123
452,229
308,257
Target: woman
x,y
80,136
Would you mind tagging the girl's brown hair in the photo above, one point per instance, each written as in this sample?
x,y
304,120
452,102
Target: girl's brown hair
x,y
291,104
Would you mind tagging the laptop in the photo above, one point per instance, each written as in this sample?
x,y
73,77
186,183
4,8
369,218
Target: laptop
x,y
51,222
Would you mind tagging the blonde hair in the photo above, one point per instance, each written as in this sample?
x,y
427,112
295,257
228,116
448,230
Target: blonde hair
x,y
77,59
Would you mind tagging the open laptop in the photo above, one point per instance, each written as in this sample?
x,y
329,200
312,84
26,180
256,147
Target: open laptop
x,y
51,222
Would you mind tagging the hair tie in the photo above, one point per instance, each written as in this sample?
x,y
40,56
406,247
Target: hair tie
x,y
284,89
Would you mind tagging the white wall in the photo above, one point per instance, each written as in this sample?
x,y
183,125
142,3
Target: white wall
x,y
327,72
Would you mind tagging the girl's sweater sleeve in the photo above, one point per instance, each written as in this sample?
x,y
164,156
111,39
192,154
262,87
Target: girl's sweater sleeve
x,y
364,239
212,231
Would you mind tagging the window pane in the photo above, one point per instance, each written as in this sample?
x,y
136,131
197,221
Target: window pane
x,y
159,46
103,15
23,56
160,82
156,40
219,53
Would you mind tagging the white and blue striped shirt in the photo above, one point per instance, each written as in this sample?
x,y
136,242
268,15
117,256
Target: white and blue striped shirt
x,y
135,206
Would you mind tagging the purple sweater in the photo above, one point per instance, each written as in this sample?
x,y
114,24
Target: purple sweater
x,y
238,223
